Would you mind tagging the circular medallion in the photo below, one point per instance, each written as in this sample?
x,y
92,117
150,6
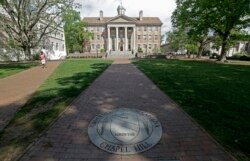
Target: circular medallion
x,y
125,131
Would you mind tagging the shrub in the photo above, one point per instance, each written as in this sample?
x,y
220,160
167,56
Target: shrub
x,y
140,50
245,58
206,53
214,56
237,56
102,50
36,56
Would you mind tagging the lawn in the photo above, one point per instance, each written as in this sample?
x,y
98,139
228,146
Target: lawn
x,y
12,68
217,96
58,91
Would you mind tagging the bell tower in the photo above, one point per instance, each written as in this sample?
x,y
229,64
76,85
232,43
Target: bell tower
x,y
120,9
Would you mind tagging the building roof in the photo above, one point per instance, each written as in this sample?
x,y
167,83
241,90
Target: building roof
x,y
144,21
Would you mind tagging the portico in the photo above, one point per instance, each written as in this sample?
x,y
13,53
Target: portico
x,y
121,37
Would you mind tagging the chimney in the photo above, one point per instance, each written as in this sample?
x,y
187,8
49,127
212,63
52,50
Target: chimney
x,y
140,15
101,15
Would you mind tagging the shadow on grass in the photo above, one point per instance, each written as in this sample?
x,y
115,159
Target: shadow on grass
x,y
44,107
123,86
11,68
216,95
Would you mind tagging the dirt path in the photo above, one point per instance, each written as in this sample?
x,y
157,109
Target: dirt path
x,y
16,89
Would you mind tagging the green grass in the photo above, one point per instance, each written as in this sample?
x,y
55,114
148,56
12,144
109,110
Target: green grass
x,y
216,95
12,68
58,91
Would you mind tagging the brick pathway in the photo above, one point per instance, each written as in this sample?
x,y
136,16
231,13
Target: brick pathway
x,y
123,85
16,89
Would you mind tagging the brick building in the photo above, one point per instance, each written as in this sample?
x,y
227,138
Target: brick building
x,y
124,35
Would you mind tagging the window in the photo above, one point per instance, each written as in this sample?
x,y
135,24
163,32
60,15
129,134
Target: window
x,y
52,45
156,37
155,46
56,46
150,37
144,46
62,36
98,46
62,46
145,28
144,37
93,46
138,37
91,29
98,37
139,45
149,46
97,29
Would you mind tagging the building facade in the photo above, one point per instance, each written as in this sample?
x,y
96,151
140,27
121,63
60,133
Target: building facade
x,y
52,44
122,34
240,46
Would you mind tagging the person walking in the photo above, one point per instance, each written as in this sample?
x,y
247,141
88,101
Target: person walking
x,y
43,59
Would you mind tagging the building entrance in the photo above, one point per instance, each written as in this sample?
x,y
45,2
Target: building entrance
x,y
121,45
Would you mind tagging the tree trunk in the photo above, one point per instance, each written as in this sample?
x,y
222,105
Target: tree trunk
x,y
223,48
27,52
200,50
189,54
201,46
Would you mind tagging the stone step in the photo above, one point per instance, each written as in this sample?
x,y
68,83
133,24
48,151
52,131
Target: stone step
x,y
121,54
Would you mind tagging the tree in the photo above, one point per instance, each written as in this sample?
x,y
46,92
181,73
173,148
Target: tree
x,y
75,34
222,16
191,49
225,16
235,36
27,22
177,39
190,16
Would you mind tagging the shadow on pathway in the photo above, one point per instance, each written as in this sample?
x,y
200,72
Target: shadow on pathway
x,y
16,89
122,85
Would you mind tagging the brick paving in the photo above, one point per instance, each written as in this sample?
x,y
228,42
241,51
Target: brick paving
x,y
122,85
16,89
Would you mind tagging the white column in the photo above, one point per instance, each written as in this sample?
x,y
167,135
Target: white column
x,y
126,39
134,39
116,38
109,44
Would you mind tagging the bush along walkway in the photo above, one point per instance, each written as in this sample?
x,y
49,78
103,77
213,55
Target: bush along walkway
x,y
16,89
122,85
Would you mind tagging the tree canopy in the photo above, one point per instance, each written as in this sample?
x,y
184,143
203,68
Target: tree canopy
x,y
75,33
28,22
219,16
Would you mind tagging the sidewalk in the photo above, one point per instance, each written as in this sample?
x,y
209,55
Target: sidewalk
x,y
122,85
16,89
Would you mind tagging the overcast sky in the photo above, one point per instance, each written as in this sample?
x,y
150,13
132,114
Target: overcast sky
x,y
151,8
